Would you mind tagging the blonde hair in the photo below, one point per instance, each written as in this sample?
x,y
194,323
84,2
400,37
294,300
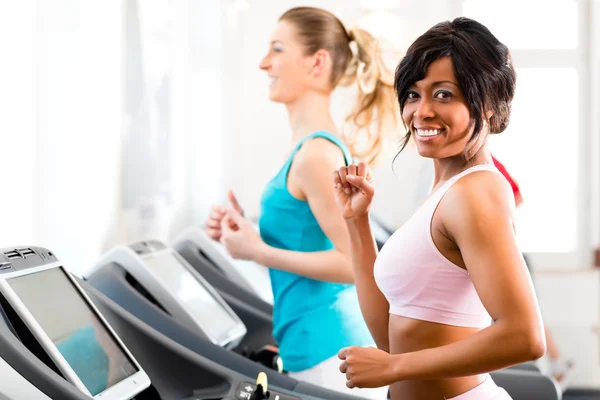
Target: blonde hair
x,y
356,58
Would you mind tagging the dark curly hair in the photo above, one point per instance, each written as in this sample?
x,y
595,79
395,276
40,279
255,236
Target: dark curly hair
x,y
481,64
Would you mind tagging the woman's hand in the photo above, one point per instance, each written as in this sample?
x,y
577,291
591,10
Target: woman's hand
x,y
366,367
213,222
239,237
354,190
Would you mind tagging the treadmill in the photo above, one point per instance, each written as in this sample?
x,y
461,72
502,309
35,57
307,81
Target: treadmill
x,y
157,294
112,277
222,272
46,318
176,371
45,322
247,274
189,370
182,373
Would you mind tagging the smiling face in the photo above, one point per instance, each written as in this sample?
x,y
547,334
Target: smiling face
x,y
437,113
455,87
286,64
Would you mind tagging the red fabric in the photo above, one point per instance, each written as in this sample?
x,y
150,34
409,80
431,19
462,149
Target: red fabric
x,y
513,184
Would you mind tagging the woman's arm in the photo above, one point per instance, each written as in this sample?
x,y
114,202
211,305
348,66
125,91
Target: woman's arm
x,y
311,175
328,266
477,215
373,304
243,242
354,193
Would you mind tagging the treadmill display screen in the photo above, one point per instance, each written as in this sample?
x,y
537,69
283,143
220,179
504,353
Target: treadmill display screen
x,y
76,331
213,318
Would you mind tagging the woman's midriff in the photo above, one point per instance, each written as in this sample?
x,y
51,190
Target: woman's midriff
x,y
408,335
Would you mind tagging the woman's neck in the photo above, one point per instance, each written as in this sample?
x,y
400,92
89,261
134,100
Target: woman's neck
x,y
446,168
308,114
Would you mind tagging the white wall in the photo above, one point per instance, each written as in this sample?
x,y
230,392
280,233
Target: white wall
x,y
594,48
258,131
63,127
210,108
78,126
17,124
187,36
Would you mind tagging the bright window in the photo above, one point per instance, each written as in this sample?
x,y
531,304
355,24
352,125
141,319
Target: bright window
x,y
540,148
544,145
529,24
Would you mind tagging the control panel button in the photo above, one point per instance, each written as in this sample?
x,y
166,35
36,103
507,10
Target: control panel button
x,y
245,389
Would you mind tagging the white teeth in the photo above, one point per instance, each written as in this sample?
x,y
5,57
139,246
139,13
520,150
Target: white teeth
x,y
428,132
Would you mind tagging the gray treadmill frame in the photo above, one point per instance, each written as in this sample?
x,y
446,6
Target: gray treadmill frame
x,y
133,259
15,386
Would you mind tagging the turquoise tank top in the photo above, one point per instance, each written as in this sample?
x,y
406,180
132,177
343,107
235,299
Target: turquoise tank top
x,y
312,320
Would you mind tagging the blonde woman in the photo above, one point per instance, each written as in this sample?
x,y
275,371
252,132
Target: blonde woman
x,y
303,238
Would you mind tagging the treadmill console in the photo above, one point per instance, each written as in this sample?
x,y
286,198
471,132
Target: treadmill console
x,y
41,300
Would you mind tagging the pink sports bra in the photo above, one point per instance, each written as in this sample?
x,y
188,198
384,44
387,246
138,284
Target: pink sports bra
x,y
418,281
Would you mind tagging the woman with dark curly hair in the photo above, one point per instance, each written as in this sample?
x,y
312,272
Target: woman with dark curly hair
x,y
449,298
